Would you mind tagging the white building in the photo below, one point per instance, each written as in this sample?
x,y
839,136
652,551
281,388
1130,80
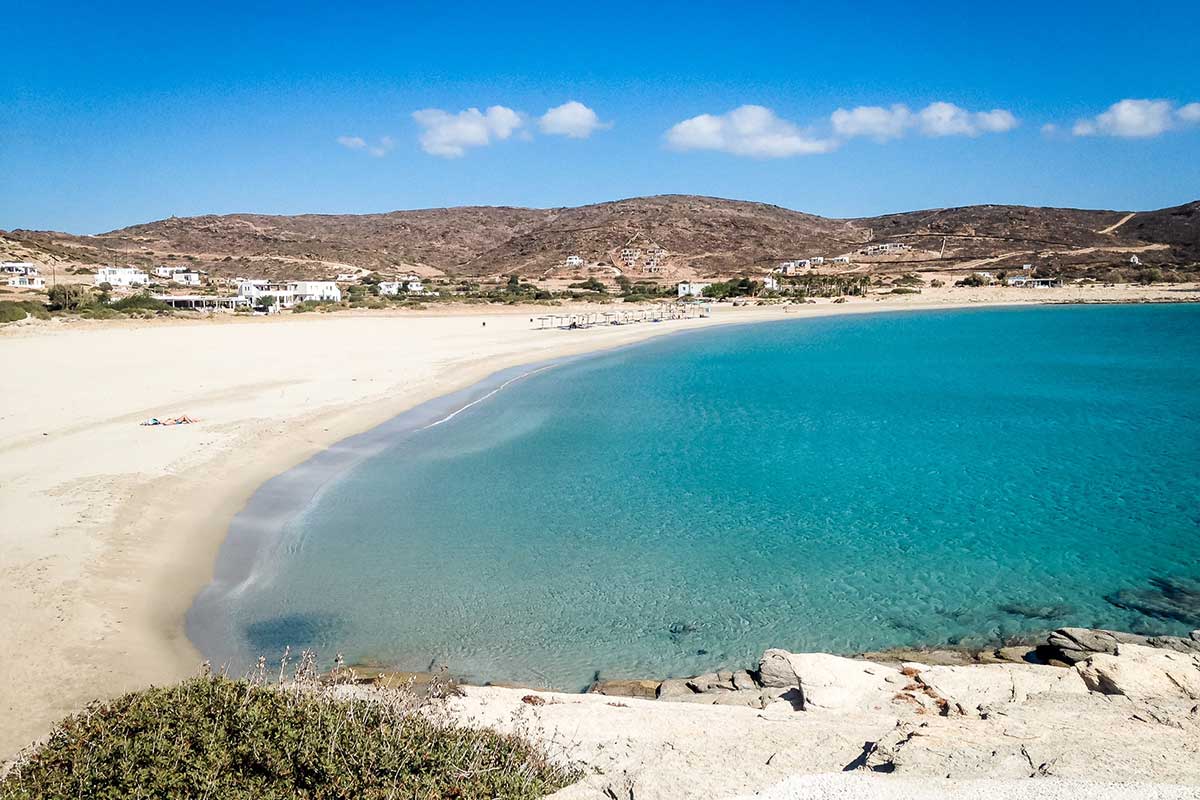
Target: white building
x,y
282,293
630,255
410,284
316,290
181,275
574,261
771,283
122,277
1135,261
816,260
27,282
691,289
841,259
885,247
288,293
18,268
347,277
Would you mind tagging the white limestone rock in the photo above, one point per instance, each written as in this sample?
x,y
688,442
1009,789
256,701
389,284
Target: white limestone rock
x,y
1143,673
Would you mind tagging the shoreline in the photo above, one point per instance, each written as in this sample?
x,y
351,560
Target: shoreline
x,y
107,564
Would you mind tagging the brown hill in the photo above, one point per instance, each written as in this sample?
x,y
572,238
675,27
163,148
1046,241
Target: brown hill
x,y
696,236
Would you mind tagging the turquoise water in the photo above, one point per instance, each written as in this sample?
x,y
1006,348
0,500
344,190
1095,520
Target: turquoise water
x,y
838,484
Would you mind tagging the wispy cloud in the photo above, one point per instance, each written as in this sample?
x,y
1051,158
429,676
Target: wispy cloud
x,y
936,119
746,131
384,146
449,135
572,119
1138,119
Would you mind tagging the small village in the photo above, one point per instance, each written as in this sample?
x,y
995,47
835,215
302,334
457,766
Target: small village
x,y
638,271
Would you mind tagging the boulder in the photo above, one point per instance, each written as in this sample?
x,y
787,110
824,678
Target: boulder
x,y
712,682
626,688
827,681
743,681
1143,673
775,670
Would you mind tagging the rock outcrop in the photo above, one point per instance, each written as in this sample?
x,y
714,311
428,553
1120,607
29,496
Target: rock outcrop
x,y
830,682
1072,645
1143,673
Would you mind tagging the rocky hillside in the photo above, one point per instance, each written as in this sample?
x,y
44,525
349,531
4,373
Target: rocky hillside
x,y
684,235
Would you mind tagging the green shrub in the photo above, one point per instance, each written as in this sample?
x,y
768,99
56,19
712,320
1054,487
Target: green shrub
x,y
71,297
17,310
140,302
238,739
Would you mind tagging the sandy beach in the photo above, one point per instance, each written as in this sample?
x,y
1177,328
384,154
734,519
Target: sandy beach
x,y
110,528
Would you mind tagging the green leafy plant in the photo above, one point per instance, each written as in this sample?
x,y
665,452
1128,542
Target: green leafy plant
x,y
240,739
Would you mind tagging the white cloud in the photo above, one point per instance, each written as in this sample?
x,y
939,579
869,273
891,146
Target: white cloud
x,y
449,135
936,119
1132,119
746,131
997,120
1189,113
379,150
875,121
947,119
572,119
1049,129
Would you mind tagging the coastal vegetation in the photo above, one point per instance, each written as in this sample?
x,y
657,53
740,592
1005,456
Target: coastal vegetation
x,y
213,736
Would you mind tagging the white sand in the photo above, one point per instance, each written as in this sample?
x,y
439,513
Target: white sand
x,y
108,529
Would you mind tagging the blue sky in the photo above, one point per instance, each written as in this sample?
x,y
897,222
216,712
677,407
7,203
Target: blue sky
x,y
113,116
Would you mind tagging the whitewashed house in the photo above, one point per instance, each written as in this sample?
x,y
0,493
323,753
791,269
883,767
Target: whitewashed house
x,y
27,282
1135,261
123,277
168,272
347,277
841,259
771,283
691,289
885,247
18,268
816,261
410,284
286,294
630,255
574,261
22,275
316,290
282,293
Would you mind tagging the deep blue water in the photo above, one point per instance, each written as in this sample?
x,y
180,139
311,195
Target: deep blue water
x,y
837,484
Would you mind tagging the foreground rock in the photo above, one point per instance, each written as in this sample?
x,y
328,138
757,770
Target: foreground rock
x,y
1143,673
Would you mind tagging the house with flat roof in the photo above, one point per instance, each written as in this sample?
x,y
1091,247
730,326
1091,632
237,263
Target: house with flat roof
x,y
122,277
691,288
32,282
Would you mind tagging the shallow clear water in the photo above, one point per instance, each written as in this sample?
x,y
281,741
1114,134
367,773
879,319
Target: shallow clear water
x,y
837,484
